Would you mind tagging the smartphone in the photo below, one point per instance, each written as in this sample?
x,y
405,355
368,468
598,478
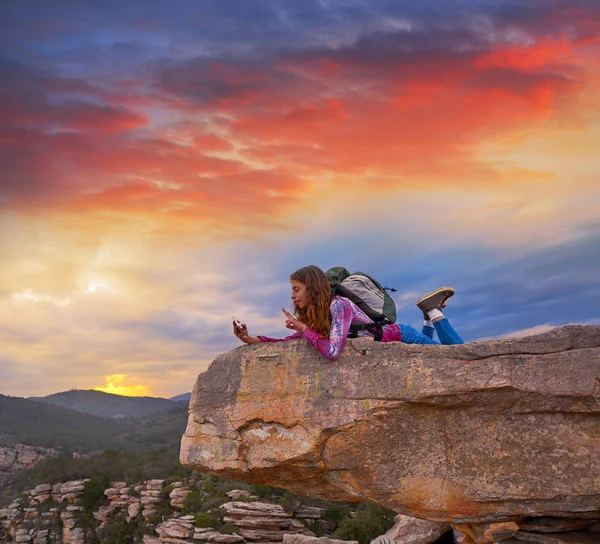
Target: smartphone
x,y
238,325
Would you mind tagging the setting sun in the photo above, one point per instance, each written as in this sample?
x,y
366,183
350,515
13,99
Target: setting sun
x,y
116,385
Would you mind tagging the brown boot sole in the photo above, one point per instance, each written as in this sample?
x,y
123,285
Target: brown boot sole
x,y
437,291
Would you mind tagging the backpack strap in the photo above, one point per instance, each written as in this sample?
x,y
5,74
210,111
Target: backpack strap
x,y
376,329
342,291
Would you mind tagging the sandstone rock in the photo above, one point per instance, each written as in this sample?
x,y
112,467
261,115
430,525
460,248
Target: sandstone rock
x,y
150,500
271,523
262,535
72,486
577,537
148,513
133,509
219,538
42,489
104,513
41,537
151,540
301,539
554,525
69,523
262,521
20,456
71,497
175,528
308,512
237,494
180,492
255,509
484,432
112,492
151,493
409,530
74,536
178,496
488,533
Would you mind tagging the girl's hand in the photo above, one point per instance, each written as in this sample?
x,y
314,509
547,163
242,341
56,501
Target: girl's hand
x,y
243,335
292,323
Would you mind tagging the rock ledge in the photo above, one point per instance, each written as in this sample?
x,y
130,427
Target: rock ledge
x,y
480,433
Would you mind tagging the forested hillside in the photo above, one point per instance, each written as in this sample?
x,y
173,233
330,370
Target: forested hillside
x,y
25,421
103,404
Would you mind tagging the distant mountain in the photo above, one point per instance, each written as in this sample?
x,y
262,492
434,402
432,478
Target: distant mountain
x,y
183,397
24,421
103,404
28,422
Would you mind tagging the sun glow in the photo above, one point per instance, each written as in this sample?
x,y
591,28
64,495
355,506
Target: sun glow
x,y
115,384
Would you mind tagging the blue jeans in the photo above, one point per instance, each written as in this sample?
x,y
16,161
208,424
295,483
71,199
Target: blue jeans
x,y
447,335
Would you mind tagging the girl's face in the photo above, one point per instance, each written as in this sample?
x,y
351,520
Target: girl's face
x,y
299,294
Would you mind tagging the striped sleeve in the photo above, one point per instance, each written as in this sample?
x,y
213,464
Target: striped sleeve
x,y
341,318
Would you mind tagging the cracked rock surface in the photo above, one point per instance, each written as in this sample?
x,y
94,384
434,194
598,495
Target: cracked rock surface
x,y
480,433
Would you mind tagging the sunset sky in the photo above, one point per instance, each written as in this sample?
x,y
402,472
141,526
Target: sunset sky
x,y
166,165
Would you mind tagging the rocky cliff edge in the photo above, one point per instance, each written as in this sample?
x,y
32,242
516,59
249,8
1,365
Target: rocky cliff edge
x,y
478,433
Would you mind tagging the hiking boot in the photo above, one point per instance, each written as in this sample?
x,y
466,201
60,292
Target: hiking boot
x,y
435,299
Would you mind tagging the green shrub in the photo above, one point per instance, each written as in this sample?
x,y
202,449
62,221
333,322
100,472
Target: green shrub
x,y
208,485
371,521
262,491
227,529
288,501
204,520
117,531
211,503
167,488
193,503
336,513
318,527
93,492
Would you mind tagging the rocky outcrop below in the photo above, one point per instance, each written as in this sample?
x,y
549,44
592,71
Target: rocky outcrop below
x,y
409,530
479,435
19,456
37,518
56,514
264,522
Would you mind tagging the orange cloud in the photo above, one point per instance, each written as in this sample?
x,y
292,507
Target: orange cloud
x,y
256,135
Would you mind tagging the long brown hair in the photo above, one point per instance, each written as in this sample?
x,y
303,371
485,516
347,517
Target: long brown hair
x,y
317,314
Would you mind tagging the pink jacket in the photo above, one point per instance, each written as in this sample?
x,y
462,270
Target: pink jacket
x,y
343,313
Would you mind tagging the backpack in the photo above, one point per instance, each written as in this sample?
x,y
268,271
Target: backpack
x,y
368,294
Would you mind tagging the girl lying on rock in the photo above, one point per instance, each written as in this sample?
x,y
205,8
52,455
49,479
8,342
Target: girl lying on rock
x,y
325,320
